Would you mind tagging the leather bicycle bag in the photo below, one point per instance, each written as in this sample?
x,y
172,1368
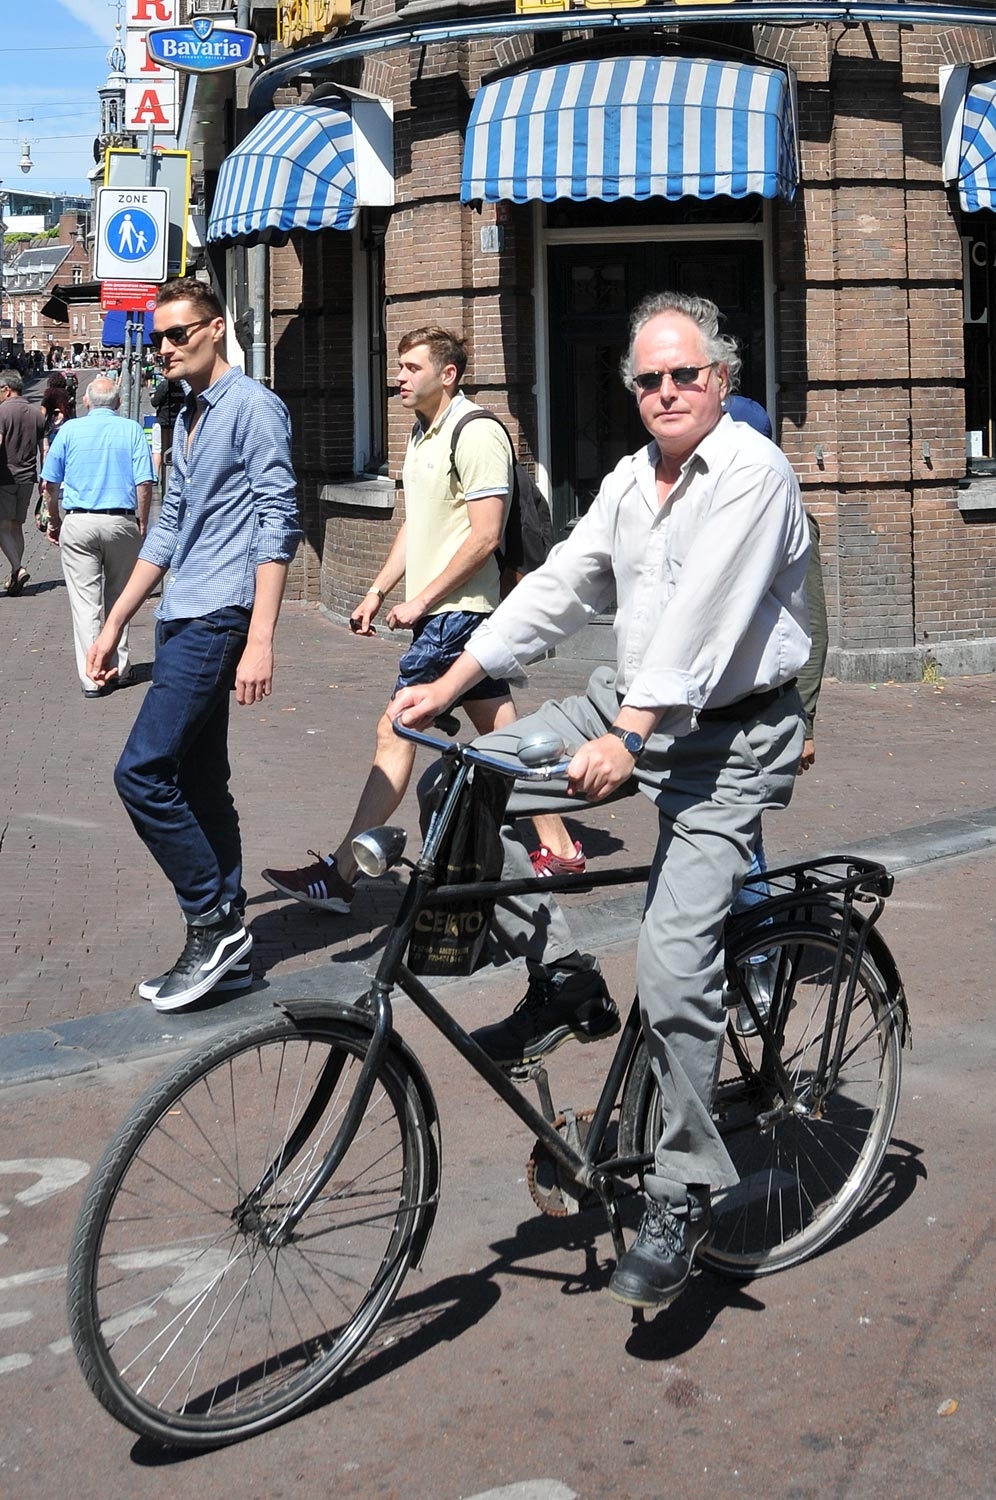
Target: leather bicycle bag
x,y
451,939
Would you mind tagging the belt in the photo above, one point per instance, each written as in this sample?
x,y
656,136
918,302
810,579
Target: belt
x,y
80,510
747,708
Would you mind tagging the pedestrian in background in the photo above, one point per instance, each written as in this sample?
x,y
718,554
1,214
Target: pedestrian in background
x,y
22,429
103,467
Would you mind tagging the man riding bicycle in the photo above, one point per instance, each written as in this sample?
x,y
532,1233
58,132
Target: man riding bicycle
x,y
701,539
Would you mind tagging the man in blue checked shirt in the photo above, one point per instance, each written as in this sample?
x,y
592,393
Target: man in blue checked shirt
x,y
227,533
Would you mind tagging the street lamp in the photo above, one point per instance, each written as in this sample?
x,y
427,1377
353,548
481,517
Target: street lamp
x,y
25,163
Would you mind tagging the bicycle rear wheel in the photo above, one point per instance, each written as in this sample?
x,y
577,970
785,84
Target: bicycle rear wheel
x,y
194,1323
805,1161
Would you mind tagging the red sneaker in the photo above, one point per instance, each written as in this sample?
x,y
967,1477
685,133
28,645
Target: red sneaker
x,y
547,863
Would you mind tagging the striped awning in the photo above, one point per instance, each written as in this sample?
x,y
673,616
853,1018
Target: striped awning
x,y
632,127
294,170
977,154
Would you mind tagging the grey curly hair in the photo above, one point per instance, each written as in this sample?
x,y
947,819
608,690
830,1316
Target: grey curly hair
x,y
720,348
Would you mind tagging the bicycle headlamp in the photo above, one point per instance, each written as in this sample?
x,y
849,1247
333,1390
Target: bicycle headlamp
x,y
377,850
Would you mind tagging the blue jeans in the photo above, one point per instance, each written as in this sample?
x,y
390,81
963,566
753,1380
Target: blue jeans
x,y
173,772
753,895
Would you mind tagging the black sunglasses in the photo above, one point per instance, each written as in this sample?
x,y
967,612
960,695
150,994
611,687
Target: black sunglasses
x,y
177,336
684,375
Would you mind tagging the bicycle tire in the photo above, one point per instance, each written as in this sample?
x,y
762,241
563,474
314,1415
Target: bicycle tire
x,y
804,1177
189,1327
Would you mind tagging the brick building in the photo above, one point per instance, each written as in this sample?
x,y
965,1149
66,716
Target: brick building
x,y
849,240
31,272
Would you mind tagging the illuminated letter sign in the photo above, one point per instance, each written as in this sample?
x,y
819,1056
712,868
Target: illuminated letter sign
x,y
150,88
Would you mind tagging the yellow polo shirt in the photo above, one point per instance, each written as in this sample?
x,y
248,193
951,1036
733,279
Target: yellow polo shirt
x,y
437,495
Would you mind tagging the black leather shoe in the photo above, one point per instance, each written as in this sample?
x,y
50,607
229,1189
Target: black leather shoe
x,y
657,1266
559,1004
210,951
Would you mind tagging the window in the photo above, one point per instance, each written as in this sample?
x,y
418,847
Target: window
x,y
370,344
978,250
78,274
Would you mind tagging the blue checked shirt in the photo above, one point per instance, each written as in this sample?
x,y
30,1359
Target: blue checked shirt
x,y
231,501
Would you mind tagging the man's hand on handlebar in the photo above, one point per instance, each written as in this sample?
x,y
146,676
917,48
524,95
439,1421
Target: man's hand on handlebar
x,y
598,768
418,706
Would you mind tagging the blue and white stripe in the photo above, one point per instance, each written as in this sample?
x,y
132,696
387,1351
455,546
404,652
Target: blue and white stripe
x,y
294,170
632,127
977,163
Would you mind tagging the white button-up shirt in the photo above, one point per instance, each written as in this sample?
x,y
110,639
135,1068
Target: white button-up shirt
x,y
710,586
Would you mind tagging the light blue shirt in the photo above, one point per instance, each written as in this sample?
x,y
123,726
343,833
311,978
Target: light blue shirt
x,y
99,460
231,501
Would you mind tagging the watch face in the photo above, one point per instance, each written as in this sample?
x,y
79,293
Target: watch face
x,y
631,740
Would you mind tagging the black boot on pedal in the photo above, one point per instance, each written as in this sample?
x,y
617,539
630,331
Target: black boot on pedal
x,y
560,1003
656,1268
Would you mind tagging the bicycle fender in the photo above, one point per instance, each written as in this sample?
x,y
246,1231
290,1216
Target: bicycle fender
x,y
359,1016
884,962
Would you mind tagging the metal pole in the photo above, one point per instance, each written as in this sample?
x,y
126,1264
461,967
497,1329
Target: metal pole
x,y
126,367
150,181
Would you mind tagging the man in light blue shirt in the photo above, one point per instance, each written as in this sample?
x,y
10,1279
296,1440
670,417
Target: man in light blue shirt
x,y
103,467
227,533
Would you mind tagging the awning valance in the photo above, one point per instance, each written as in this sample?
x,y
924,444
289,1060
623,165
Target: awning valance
x,y
632,127
312,166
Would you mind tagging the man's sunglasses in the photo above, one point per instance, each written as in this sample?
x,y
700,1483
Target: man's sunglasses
x,y
684,375
177,336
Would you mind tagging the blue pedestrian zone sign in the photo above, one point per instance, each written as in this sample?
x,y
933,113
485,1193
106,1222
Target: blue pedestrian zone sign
x,y
132,234
132,238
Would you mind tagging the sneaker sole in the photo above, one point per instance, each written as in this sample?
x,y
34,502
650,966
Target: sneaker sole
x,y
237,978
330,903
555,1039
203,986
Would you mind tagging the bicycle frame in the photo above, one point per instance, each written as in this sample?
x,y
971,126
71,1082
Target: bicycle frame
x,y
805,887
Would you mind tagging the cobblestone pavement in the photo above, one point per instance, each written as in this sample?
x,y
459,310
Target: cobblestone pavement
x,y
87,913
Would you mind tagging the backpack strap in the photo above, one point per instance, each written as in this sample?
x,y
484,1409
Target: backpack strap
x,y
461,423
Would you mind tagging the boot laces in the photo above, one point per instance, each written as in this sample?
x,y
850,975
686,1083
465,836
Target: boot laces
x,y
662,1228
537,997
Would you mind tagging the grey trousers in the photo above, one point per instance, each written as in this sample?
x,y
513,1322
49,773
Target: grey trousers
x,y
710,789
98,553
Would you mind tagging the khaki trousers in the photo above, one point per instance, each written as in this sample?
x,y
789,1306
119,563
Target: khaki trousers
x,y
98,553
710,789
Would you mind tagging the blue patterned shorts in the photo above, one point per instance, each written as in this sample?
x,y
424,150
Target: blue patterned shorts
x,y
437,641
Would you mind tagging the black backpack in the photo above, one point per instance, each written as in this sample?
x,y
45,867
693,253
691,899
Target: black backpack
x,y
529,526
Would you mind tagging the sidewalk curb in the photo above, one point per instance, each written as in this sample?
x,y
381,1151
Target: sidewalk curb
x,y
77,1047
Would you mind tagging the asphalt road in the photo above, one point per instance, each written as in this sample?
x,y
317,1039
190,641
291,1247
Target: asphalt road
x,y
866,1372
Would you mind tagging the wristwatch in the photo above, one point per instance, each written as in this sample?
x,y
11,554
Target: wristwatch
x,y
633,742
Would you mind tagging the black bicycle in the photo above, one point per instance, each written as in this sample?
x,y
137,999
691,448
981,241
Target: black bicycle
x,y
252,1220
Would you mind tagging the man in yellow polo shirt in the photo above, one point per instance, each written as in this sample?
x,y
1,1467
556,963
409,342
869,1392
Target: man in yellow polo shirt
x,y
445,551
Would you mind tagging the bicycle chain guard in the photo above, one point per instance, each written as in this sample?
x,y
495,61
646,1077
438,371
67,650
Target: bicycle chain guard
x,y
551,1189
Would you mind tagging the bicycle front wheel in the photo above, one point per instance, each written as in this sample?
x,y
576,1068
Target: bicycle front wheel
x,y
195,1321
807,1145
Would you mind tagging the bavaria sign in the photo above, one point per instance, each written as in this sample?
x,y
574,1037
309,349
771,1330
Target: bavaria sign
x,y
199,47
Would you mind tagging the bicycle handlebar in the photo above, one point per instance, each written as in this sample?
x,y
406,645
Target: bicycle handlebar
x,y
515,771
